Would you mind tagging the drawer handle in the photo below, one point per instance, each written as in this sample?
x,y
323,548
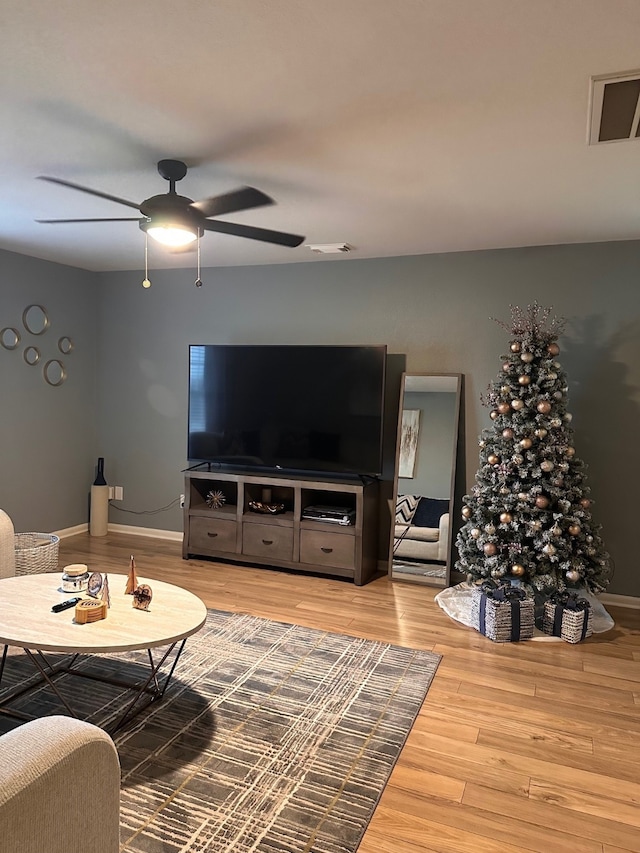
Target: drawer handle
x,y
267,541
326,550
212,535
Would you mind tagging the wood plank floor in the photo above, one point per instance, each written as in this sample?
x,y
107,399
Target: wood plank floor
x,y
518,747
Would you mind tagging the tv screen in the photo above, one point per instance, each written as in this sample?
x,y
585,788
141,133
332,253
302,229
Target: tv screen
x,y
297,408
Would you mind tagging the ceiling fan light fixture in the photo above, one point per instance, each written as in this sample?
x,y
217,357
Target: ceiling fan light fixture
x,y
172,234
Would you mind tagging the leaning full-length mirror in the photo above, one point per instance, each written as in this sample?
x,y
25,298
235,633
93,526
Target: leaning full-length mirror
x,y
420,548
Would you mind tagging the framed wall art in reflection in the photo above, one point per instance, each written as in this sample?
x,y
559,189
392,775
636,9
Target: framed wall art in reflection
x,y
409,435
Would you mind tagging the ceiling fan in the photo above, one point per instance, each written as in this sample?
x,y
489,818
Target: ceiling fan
x,y
176,220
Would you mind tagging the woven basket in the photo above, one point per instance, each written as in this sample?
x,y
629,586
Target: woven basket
x,y
36,553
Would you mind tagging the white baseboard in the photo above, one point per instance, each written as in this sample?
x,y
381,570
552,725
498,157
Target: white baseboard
x,y
630,601
71,531
172,535
153,533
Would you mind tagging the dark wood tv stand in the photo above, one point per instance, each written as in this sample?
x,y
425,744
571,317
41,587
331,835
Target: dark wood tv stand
x,y
234,532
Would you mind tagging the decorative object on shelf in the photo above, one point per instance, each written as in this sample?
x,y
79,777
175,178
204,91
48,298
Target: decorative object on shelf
x,y
99,514
132,580
215,499
568,617
142,596
503,613
90,610
75,577
94,586
266,509
105,594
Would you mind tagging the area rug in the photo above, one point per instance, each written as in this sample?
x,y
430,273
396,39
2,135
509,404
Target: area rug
x,y
272,738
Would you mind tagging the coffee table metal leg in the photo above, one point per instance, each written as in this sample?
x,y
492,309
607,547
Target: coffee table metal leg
x,y
44,672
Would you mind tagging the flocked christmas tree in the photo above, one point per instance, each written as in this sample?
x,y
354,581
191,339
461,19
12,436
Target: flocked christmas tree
x,y
528,516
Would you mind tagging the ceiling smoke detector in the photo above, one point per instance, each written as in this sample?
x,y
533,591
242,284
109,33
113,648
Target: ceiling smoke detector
x,y
329,248
615,108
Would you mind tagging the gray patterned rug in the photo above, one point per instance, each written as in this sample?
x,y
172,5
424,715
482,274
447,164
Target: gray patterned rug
x,y
272,738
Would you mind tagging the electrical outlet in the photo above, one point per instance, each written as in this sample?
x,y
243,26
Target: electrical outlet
x,y
111,493
118,493
181,501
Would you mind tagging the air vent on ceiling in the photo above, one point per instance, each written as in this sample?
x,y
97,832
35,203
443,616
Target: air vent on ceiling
x,y
329,248
615,108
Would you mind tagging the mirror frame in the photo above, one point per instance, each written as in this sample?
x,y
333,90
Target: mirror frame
x,y
438,382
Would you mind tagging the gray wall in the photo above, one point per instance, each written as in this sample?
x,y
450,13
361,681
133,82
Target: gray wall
x,y
47,434
435,309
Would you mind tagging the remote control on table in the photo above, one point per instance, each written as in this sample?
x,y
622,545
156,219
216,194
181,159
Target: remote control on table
x,y
65,605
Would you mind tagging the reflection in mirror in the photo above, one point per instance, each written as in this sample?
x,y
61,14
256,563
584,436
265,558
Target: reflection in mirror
x,y
54,372
9,337
420,548
31,355
35,320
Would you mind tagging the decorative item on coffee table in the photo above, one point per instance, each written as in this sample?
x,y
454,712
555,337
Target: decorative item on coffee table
x,y
503,613
90,610
265,508
142,596
132,580
568,617
215,499
94,586
105,594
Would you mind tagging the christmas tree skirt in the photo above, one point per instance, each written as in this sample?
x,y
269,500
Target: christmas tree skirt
x,y
456,603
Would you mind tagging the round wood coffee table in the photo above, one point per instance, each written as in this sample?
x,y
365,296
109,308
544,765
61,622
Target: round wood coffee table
x,y
27,622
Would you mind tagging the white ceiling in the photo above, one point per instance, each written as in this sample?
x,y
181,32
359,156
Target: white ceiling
x,y
403,127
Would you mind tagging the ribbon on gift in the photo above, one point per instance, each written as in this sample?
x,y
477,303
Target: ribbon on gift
x,y
569,601
500,594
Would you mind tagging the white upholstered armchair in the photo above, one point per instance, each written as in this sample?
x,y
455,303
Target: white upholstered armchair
x,y
59,788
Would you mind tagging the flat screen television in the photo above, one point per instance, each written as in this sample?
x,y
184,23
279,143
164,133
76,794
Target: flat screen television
x,y
291,408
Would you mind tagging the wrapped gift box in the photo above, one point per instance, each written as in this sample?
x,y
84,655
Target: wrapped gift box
x,y
503,613
568,617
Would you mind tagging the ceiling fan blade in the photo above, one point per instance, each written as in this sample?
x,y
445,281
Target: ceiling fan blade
x,y
117,219
241,199
278,237
89,191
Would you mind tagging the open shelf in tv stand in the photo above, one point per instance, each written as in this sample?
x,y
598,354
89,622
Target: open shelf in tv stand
x,y
234,532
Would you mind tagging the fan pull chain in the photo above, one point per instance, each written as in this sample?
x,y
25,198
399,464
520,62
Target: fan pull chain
x,y
146,282
198,281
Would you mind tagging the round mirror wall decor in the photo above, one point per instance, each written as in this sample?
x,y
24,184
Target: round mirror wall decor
x,y
35,319
54,372
9,337
31,355
65,344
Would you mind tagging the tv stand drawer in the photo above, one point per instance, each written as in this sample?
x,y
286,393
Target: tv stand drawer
x,y
212,533
267,540
328,549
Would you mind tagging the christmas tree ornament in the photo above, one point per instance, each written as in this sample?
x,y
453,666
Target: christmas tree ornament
x,y
517,570
493,415
585,503
568,417
523,380
547,465
542,501
507,433
549,549
475,532
505,518
544,407
517,405
573,576
570,452
507,367
489,529
555,423
574,529
505,389
489,549
503,408
466,512
526,443
517,459
553,349
493,459
541,433
527,357
516,346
